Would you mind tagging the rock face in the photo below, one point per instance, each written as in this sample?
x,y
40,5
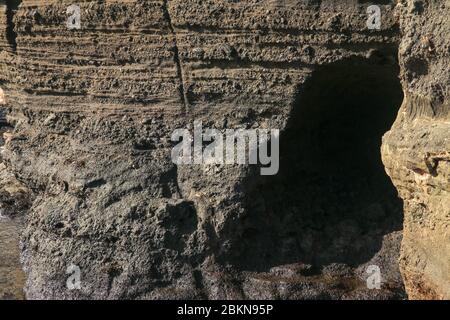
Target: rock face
x,y
416,151
94,109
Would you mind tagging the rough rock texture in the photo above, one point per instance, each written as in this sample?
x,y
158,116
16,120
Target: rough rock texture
x,y
416,151
12,277
93,111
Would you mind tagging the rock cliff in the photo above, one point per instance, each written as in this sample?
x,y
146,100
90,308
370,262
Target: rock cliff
x,y
93,111
416,149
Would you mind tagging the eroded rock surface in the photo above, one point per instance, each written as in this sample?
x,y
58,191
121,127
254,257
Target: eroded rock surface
x,y
416,151
93,111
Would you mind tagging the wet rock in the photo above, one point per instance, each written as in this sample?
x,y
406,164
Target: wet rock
x,y
15,197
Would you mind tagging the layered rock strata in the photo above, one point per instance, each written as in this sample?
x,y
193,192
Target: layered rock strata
x,y
94,109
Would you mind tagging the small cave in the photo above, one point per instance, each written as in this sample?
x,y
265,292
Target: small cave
x,y
331,201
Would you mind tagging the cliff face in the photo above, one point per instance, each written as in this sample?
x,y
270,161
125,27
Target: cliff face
x,y
94,109
416,150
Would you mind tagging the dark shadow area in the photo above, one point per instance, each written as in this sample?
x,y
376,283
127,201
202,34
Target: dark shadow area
x,y
331,201
11,9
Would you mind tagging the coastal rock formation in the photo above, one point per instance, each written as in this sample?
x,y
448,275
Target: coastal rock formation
x,y
416,151
94,109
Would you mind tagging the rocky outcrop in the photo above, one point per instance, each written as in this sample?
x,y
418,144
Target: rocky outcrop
x,y
93,111
416,151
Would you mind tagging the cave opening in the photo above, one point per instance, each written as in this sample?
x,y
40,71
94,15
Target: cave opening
x,y
332,201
